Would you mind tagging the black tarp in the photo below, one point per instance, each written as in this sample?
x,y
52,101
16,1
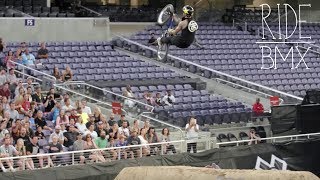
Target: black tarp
x,y
242,157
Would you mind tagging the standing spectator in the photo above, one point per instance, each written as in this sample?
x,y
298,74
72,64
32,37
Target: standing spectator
x,y
257,108
67,74
86,109
28,58
169,99
7,150
254,138
5,91
79,145
166,138
70,136
192,129
158,101
8,60
101,141
144,140
57,132
124,130
152,40
40,121
43,52
57,74
122,119
3,77
134,140
37,97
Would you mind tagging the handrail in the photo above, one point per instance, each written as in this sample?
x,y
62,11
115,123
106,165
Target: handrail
x,y
83,95
219,79
272,138
90,150
24,74
162,122
110,92
23,66
215,71
90,10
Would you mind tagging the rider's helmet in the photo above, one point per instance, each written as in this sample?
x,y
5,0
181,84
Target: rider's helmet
x,y
187,10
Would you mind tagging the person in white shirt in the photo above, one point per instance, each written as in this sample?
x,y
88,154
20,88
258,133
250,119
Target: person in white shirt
x,y
86,109
91,131
57,133
67,105
81,126
192,129
124,130
3,77
168,99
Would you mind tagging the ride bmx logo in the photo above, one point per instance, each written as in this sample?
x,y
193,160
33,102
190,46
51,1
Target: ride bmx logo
x,y
273,41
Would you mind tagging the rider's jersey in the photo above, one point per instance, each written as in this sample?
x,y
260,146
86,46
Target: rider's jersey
x,y
189,32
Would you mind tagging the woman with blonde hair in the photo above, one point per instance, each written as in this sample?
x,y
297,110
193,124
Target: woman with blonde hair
x,y
97,114
144,140
21,148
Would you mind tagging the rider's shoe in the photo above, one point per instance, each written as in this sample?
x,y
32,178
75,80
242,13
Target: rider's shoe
x,y
159,41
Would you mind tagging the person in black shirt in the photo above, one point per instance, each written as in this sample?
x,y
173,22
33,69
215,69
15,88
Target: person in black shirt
x,y
55,95
70,136
49,103
152,40
43,52
40,121
134,140
111,120
37,97
23,135
122,119
39,133
55,147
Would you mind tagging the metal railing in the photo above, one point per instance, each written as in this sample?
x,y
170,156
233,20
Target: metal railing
x,y
220,74
242,21
273,139
316,47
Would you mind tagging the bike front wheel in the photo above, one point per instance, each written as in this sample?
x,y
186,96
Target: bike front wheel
x,y
165,14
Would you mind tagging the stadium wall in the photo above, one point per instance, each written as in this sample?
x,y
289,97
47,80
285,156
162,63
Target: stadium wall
x,y
64,29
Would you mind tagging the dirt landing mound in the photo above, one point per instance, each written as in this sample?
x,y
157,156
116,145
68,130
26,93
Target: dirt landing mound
x,y
194,173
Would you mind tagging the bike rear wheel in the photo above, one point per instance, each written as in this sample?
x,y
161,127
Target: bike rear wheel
x,y
162,51
165,14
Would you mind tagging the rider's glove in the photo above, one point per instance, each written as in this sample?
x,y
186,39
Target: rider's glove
x,y
170,31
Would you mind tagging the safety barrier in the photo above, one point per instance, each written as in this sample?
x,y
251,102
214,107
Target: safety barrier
x,y
268,90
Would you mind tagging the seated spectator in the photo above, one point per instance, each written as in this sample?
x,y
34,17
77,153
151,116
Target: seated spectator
x,y
91,121
91,131
43,52
62,119
19,90
29,93
56,112
168,99
73,116
101,141
33,109
144,140
158,101
14,115
79,145
2,45
136,126
113,131
152,136
254,138
124,130
83,115
67,74
29,83
97,114
149,99
122,143
21,50
3,77
93,155
27,125
5,91
3,128
122,119
22,135
67,105
81,126
53,92
57,74
21,148
25,104
37,97
39,132
85,108
28,58
152,40
5,103
8,60
54,147
33,149
57,132
49,103
100,127
7,150
166,138
133,140
70,136
257,108
146,125
127,102
12,79
111,120
40,121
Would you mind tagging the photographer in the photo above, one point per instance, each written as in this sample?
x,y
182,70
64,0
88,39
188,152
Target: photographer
x,y
254,138
49,103
192,129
